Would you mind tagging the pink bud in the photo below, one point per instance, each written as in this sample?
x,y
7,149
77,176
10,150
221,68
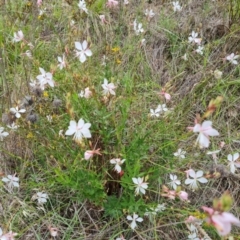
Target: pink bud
x,y
88,154
39,3
191,219
183,196
222,144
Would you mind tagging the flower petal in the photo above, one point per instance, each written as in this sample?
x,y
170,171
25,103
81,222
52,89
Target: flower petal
x,y
82,58
78,46
235,156
88,52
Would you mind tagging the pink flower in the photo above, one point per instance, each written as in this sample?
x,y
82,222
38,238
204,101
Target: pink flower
x,y
222,144
183,195
103,19
191,219
87,93
205,130
112,3
39,3
222,221
166,95
171,194
8,236
90,153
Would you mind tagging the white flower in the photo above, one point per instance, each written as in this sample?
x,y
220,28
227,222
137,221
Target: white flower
x,y
233,164
82,51
205,130
108,88
199,50
41,197
193,236
141,185
60,133
8,236
13,126
149,14
30,45
17,112
184,57
192,227
62,62
134,218
104,58
154,113
143,42
49,118
18,36
232,58
193,38
160,207
82,6
87,93
154,211
28,54
176,6
137,27
118,162
11,181
180,153
79,130
162,108
33,83
45,78
42,11
195,178
2,133
126,2
174,181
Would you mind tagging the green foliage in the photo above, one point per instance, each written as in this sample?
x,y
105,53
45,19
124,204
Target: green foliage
x,y
98,6
85,183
